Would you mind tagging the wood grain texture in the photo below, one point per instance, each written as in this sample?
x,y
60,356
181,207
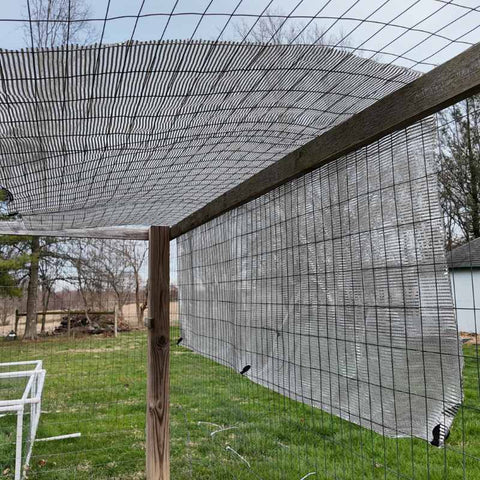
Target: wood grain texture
x,y
445,85
158,456
120,233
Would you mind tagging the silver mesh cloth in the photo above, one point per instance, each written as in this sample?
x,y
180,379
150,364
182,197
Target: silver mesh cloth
x,y
334,289
147,133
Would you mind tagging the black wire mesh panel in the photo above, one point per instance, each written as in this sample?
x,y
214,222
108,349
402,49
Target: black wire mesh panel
x,y
333,290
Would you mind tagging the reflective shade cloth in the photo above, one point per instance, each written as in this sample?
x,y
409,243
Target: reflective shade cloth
x,y
334,289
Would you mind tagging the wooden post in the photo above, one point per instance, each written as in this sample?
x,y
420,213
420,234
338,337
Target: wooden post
x,y
68,324
17,317
115,321
158,323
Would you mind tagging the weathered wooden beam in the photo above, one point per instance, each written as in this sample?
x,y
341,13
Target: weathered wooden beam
x,y
158,323
445,85
120,233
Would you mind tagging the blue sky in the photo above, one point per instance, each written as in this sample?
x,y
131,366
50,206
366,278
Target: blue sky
x,y
450,20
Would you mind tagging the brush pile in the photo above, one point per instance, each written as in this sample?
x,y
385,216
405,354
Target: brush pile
x,y
93,324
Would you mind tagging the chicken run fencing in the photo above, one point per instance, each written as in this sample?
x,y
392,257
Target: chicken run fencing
x,y
240,240
333,291
79,410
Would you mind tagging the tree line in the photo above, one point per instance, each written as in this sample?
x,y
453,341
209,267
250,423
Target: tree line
x,y
94,273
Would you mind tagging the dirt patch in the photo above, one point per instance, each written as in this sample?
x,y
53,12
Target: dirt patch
x,y
95,350
470,338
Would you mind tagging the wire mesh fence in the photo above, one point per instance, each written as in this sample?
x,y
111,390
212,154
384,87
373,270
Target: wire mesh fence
x,y
22,388
336,290
248,83
93,349
315,328
281,319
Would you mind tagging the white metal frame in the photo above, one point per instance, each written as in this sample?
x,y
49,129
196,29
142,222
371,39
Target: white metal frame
x,y
32,395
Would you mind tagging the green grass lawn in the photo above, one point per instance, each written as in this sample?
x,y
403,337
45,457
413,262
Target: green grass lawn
x,y
96,386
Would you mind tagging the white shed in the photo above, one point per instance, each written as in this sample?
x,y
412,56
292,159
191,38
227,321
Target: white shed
x,y
464,265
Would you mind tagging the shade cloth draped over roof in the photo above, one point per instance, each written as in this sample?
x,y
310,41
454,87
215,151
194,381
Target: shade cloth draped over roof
x,y
147,133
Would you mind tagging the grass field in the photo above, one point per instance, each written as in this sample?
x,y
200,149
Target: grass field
x,y
96,386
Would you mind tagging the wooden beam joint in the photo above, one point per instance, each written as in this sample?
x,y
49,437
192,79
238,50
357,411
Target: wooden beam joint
x,y
443,86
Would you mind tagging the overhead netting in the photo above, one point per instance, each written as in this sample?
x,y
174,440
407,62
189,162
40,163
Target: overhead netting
x,y
147,133
333,289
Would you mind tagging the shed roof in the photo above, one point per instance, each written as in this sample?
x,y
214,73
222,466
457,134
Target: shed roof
x,y
465,256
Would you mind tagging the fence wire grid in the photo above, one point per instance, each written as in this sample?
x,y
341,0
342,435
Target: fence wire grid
x,y
92,344
333,290
326,329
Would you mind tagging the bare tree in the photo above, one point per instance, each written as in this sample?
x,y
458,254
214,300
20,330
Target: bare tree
x,y
135,254
42,251
7,308
102,269
459,156
275,28
50,272
50,23
80,274
32,291
109,265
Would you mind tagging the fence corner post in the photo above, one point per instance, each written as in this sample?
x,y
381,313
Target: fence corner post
x,y
158,435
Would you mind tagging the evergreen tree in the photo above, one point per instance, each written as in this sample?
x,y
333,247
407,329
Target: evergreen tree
x,y
13,263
